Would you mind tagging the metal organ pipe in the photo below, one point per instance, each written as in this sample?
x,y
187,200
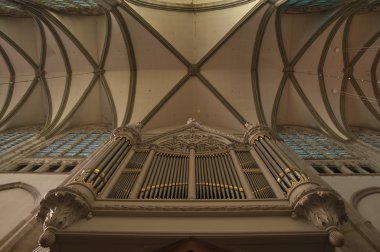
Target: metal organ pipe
x,y
137,186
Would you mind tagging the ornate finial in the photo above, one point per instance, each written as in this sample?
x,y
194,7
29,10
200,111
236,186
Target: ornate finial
x,y
254,130
136,126
191,120
130,132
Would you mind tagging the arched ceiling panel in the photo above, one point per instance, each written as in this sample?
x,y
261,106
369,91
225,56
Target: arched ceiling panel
x,y
56,75
293,111
187,103
158,69
310,87
298,29
229,69
270,69
21,90
20,64
235,86
118,82
4,83
79,63
55,65
33,111
4,89
80,84
94,109
308,63
57,88
28,39
356,113
332,71
359,36
149,51
193,34
362,73
236,52
118,75
306,72
90,31
152,86
117,57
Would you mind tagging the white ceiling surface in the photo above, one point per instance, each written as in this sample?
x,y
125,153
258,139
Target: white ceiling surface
x,y
80,97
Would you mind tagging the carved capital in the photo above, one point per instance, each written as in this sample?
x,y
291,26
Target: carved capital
x,y
130,132
254,131
59,209
324,209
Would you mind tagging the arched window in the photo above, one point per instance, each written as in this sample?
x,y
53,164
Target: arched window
x,y
326,155
64,152
12,138
368,136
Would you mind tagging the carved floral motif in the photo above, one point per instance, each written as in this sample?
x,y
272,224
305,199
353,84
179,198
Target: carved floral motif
x,y
325,210
59,209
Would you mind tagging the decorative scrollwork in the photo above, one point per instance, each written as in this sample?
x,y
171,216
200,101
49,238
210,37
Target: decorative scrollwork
x,y
193,138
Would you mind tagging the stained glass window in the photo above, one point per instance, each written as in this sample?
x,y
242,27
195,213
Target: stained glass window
x,y
370,137
8,8
11,138
73,144
311,145
83,7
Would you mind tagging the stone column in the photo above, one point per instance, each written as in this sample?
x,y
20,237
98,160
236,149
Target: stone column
x,y
322,207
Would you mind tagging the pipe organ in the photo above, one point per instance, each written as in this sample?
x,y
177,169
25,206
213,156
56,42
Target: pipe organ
x,y
191,165
193,169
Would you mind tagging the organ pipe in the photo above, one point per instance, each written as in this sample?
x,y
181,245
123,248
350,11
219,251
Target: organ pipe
x,y
137,186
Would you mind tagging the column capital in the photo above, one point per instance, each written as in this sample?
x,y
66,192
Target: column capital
x,y
254,131
130,132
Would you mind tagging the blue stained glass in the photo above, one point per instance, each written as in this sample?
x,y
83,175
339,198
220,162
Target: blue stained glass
x,y
370,137
314,146
13,138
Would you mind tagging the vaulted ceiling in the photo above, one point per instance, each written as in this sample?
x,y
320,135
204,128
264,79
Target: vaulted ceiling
x,y
224,63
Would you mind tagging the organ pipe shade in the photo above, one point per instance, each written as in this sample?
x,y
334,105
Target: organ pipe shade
x,y
217,178
167,177
260,187
124,184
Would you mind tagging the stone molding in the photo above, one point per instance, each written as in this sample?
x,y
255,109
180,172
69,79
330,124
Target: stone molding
x,y
189,209
29,188
361,194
